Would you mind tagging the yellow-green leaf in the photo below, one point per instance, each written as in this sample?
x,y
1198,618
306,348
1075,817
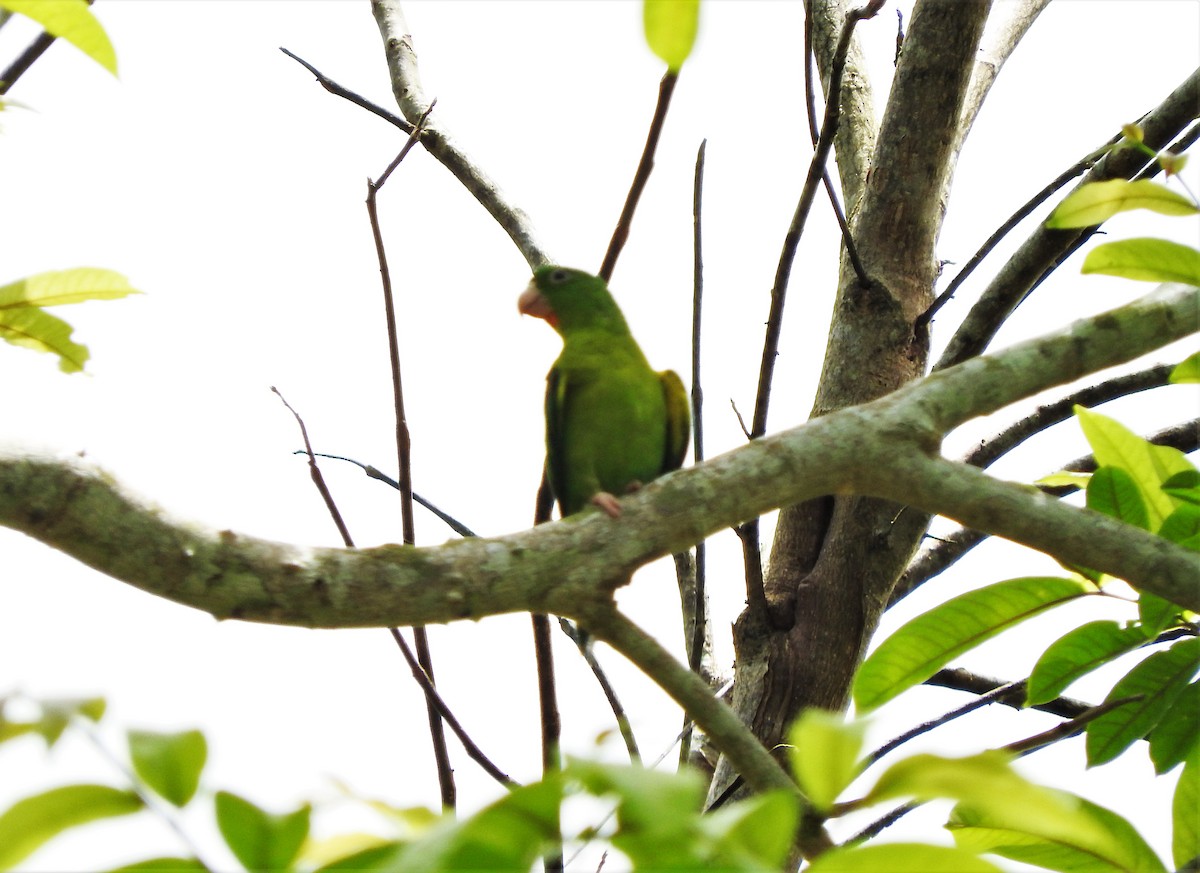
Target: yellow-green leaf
x,y
901,858
24,323
671,27
57,287
1185,841
73,21
260,840
1096,202
31,822
1187,371
824,753
1115,445
1145,259
1120,848
33,328
169,763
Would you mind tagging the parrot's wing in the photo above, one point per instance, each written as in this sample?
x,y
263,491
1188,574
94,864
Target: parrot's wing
x,y
679,420
556,465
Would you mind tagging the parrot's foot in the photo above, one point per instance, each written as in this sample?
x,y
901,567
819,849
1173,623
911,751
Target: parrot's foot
x,y
608,503
633,487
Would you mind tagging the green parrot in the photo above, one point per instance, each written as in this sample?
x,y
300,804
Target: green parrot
x,y
612,423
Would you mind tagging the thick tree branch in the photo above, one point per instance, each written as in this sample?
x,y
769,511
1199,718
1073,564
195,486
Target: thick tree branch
x,y
1045,248
410,96
885,448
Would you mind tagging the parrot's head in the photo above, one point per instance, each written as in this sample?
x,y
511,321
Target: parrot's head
x,y
570,299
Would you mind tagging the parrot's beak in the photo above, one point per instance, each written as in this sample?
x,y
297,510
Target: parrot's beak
x,y
531,302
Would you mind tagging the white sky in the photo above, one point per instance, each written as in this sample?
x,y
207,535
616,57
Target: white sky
x,y
229,186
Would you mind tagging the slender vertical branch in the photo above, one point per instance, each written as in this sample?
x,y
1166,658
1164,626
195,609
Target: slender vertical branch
x,y
543,653
700,628
665,89
403,456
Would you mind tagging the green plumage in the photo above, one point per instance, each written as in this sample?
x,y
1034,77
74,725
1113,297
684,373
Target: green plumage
x,y
612,422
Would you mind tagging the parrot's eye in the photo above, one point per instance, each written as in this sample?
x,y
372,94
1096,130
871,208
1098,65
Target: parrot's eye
x,y
558,276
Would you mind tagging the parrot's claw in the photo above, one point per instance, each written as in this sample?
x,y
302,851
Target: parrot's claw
x,y
608,503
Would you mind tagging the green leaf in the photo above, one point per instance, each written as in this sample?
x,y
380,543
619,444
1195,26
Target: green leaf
x,y
1156,613
170,764
24,323
657,813
900,858
1178,732
929,642
33,328
59,287
752,834
671,27
1076,654
1185,839
1159,680
31,822
508,835
1187,371
987,783
383,857
164,865
1065,479
824,750
1119,848
260,840
1183,525
1114,445
1184,485
1096,202
70,20
1145,259
1113,492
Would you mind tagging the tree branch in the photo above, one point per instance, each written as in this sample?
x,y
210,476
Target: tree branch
x,y
410,96
882,448
1045,248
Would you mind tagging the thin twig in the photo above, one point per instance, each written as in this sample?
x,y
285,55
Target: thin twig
x,y
148,797
925,727
358,100
991,450
699,605
431,694
1077,169
543,652
403,456
1020,747
624,726
25,60
315,472
810,104
645,165
375,473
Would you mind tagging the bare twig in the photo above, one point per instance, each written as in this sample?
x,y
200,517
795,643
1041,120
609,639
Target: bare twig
x,y
624,726
431,694
374,473
810,104
410,96
25,60
1045,248
357,99
315,472
403,456
666,88
1078,168
697,604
